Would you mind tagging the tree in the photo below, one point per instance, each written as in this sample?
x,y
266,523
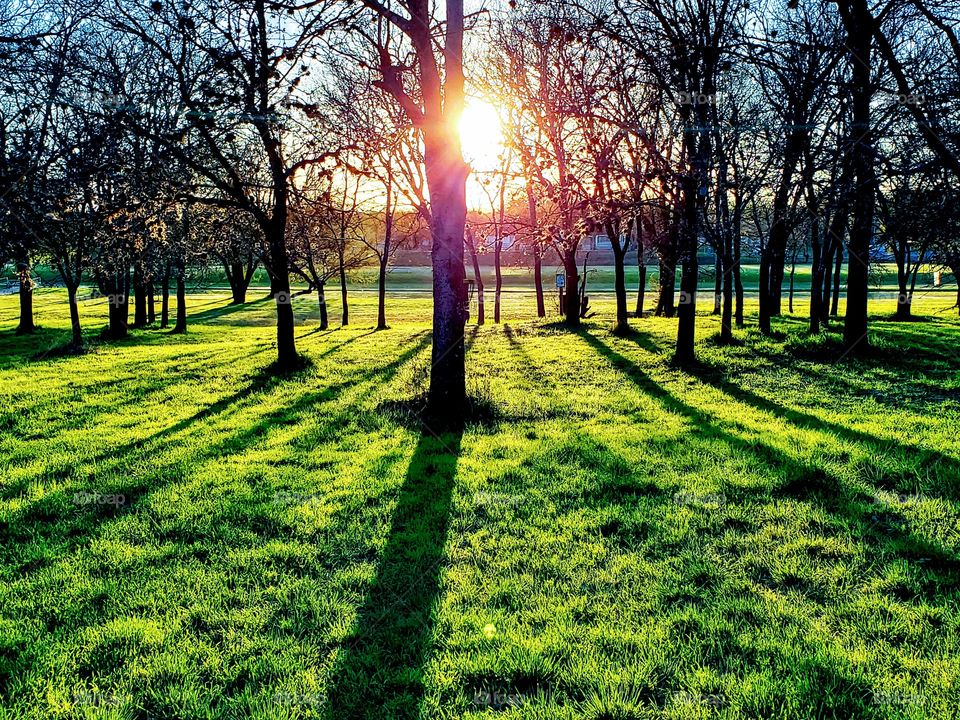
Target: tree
x,y
433,99
236,102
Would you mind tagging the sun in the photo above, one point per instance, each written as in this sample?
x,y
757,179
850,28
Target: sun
x,y
481,135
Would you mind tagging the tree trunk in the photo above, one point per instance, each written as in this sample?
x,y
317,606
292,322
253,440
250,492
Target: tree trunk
x,y
689,271
239,279
904,296
384,260
151,303
667,289
763,287
165,297
498,287
859,22
180,326
538,282
718,284
77,335
344,308
835,304
737,281
726,316
622,324
24,275
816,277
322,301
793,272
477,277
641,285
571,300
117,289
140,298
382,294
446,180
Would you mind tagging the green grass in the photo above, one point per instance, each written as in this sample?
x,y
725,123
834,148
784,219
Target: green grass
x,y
775,535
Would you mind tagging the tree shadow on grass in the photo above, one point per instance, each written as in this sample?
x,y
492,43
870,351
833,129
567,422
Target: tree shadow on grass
x,y
879,524
948,468
379,671
54,524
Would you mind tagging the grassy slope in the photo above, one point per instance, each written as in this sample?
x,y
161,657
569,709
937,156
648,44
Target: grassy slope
x,y
772,536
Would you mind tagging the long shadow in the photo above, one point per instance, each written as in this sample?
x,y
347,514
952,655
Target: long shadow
x,y
261,381
380,669
226,310
881,525
45,522
877,445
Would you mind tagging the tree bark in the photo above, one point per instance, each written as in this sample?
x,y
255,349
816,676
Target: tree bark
x,y
859,23
24,275
344,307
76,333
571,290
835,303
385,258
537,253
538,282
641,285
239,276
140,298
498,287
622,324
322,301
718,283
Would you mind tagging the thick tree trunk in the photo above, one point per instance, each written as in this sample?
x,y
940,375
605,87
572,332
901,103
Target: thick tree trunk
x,y
238,276
24,274
689,272
322,301
446,180
118,303
859,23
904,296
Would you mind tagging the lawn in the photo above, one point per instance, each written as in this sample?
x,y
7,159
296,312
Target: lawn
x,y
773,535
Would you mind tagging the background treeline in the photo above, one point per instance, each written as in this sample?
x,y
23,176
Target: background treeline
x,y
139,139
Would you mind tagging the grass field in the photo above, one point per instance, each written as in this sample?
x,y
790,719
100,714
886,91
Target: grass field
x,y
774,535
